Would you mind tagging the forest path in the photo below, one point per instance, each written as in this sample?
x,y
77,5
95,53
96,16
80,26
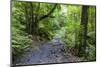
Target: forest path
x,y
50,52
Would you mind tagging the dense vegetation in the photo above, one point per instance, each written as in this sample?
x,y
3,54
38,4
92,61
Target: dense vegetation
x,y
34,23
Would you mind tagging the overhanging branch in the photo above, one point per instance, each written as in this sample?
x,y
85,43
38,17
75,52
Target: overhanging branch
x,y
49,13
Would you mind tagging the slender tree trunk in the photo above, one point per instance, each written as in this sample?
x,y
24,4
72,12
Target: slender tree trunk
x,y
27,18
75,18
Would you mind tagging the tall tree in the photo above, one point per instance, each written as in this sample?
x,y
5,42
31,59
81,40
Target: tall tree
x,y
83,32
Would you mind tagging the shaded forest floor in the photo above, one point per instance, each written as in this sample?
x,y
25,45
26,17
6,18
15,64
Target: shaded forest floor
x,y
50,52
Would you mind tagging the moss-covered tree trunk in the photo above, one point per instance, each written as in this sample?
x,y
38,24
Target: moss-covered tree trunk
x,y
83,31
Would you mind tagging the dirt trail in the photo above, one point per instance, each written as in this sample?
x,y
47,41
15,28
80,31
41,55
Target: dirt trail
x,y
51,52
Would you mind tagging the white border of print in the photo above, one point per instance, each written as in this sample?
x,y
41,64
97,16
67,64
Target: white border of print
x,y
89,2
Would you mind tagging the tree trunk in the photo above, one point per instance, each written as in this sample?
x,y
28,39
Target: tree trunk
x,y
83,32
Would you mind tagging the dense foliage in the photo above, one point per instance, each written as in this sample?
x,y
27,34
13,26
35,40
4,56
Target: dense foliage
x,y
36,22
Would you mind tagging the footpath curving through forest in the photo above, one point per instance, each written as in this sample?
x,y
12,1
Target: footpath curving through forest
x,y
50,52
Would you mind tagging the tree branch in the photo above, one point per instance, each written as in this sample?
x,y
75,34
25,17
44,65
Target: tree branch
x,y
49,13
